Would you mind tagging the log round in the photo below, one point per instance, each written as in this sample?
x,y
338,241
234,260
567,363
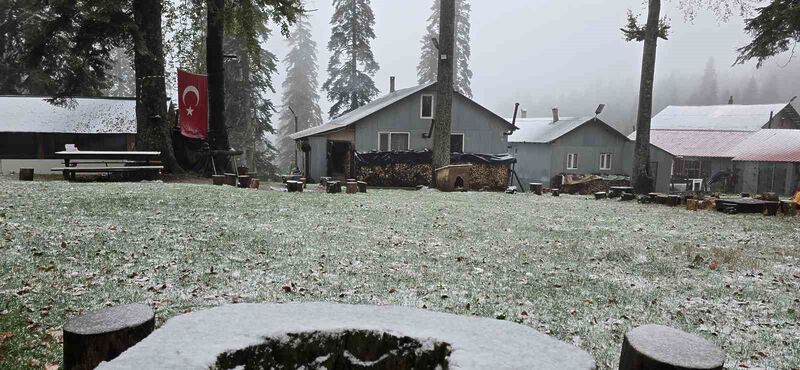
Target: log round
x,y
659,347
339,336
362,187
536,188
231,179
26,174
352,187
102,335
555,192
218,179
333,187
600,195
294,186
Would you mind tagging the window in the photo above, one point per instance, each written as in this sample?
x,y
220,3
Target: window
x,y
394,141
572,161
426,107
605,161
457,143
692,167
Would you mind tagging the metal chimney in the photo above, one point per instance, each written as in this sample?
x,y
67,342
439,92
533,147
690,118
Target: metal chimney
x,y
391,84
555,114
730,101
523,113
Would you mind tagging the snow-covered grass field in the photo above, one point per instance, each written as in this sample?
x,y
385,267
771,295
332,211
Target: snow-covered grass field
x,y
582,270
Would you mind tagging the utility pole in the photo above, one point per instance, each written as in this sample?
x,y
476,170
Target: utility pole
x,y
444,87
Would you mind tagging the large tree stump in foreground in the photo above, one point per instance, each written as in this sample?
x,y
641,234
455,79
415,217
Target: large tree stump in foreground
x,y
102,335
352,187
536,188
26,174
656,347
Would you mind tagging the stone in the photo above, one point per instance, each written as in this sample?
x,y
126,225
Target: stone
x,y
660,347
339,336
102,335
26,174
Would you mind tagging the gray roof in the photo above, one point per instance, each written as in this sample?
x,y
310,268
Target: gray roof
x,y
87,116
716,117
544,130
354,116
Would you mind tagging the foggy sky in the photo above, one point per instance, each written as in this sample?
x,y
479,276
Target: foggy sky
x,y
532,50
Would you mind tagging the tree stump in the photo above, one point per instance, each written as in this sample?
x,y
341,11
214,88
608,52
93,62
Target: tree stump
x,y
218,179
333,187
626,197
600,195
102,335
294,186
243,170
255,184
231,179
244,181
673,200
362,187
771,208
26,174
788,208
745,195
659,347
352,187
325,180
691,204
536,188
555,192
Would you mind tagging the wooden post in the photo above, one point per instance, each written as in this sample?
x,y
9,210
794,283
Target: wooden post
x,y
26,174
660,347
102,335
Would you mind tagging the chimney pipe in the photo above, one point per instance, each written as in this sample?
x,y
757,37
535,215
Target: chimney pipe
x,y
523,113
555,114
391,84
730,101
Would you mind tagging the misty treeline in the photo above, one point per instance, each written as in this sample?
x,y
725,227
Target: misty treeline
x,y
774,82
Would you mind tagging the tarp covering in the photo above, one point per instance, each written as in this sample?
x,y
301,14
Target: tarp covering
x,y
411,157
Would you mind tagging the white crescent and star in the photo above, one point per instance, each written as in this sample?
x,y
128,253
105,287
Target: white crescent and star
x,y
190,89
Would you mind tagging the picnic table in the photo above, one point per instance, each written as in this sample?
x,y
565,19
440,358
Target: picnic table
x,y
111,161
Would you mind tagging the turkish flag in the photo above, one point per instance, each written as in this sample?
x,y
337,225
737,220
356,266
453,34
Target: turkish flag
x,y
193,104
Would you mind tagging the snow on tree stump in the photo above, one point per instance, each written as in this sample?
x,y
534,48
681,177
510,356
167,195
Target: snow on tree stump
x,y
600,195
362,187
339,336
26,174
218,179
294,186
102,335
659,347
325,180
352,187
555,192
536,188
627,197
333,187
244,181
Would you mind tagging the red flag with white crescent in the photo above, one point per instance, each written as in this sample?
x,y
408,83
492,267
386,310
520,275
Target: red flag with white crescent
x,y
193,104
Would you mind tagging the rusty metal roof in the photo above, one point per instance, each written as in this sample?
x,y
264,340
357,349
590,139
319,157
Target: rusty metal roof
x,y
769,146
696,143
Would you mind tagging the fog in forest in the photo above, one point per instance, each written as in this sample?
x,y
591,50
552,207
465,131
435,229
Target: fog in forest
x,y
569,54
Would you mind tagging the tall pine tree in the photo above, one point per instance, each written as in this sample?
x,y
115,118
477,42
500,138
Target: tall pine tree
x,y
299,92
352,65
708,91
428,63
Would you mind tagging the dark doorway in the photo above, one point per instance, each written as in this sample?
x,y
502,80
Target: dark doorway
x,y
340,159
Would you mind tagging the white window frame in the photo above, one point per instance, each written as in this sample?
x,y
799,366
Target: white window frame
x,y
422,104
390,133
572,161
463,140
605,161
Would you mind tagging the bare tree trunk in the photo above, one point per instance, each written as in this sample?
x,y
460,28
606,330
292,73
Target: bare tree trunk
x,y
444,87
153,130
642,180
218,131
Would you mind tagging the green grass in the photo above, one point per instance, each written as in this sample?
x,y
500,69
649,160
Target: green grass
x,y
584,271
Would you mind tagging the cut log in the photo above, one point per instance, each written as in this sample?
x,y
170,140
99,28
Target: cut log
x,y
362,187
555,192
660,347
218,179
352,187
691,204
789,208
771,208
294,186
333,187
627,197
244,181
600,195
325,180
242,170
231,179
536,188
255,184
102,335
745,195
26,174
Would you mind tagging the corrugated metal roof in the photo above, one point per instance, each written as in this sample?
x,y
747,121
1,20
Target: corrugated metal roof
x,y
89,116
544,130
769,146
356,115
715,117
696,143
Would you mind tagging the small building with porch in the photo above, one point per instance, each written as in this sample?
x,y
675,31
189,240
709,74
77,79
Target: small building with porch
x,y
397,122
32,129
